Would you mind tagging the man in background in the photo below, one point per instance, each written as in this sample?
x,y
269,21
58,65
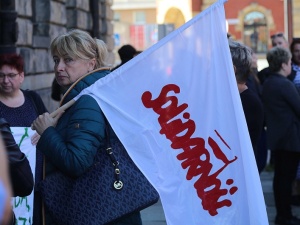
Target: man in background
x,y
279,40
126,52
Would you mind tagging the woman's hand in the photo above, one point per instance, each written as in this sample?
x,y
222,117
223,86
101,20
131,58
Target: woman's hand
x,y
44,121
35,138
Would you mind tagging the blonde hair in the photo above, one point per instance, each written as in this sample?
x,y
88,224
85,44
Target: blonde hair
x,y
79,44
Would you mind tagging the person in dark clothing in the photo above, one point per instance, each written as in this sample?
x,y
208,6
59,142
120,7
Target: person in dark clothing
x,y
254,84
252,106
126,52
19,108
295,78
19,168
6,214
72,151
20,171
279,40
56,90
282,106
295,74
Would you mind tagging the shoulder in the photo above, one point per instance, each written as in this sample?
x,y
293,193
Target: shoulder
x,y
86,82
249,97
32,94
263,74
292,75
3,122
86,106
87,100
36,100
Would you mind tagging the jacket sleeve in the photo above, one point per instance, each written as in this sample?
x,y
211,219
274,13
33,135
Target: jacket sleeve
x,y
291,96
20,171
79,134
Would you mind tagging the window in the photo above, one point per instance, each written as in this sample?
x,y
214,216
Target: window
x,y
255,32
139,17
117,16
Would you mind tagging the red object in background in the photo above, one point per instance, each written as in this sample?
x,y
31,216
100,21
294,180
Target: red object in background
x,y
137,36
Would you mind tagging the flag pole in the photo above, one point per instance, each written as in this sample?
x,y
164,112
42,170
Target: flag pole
x,y
62,108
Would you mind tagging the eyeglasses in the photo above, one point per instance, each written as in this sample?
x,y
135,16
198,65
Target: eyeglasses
x,y
10,76
277,35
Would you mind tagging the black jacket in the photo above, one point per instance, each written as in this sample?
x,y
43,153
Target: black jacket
x,y
292,75
282,105
19,168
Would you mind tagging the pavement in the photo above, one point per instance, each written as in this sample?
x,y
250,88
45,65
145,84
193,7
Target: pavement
x,y
154,214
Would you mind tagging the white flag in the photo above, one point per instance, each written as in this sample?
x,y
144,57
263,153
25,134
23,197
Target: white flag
x,y
177,110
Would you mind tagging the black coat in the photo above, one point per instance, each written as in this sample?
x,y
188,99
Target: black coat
x,y
282,106
292,75
20,172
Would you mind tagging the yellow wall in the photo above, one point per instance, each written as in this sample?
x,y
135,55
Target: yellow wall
x,y
127,16
296,18
164,6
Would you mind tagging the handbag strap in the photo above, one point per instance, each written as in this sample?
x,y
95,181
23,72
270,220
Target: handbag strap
x,y
118,184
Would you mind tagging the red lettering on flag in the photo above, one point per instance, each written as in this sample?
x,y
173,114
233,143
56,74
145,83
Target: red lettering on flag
x,y
195,157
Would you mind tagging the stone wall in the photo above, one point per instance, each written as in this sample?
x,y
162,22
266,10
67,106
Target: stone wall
x,y
39,21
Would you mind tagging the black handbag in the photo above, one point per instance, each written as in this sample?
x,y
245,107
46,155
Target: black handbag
x,y
112,188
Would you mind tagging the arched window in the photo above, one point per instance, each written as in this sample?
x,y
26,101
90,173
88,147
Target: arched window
x,y
255,32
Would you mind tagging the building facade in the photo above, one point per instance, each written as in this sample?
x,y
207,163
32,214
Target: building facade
x,y
28,26
248,21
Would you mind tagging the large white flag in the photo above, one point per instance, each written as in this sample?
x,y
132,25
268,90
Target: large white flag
x,y
177,110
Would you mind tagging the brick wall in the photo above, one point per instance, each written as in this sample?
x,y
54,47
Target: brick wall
x,y
39,21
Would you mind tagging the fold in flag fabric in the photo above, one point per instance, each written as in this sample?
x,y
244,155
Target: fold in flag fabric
x,y
177,110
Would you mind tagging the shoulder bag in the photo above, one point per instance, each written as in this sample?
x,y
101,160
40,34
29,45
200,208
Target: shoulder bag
x,y
112,188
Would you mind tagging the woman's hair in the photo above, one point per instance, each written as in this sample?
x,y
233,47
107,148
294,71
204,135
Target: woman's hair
x,y
241,59
13,60
276,56
294,42
79,44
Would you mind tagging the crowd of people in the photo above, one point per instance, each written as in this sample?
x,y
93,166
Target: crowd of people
x,y
271,104
69,141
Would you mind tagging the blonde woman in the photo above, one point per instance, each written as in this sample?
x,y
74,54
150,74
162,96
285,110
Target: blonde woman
x,y
71,140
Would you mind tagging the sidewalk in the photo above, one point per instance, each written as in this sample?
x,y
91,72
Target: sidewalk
x,y
266,182
154,215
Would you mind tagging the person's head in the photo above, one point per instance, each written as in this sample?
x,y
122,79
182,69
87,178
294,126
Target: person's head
x,y
295,50
11,73
241,59
279,39
279,60
76,53
126,52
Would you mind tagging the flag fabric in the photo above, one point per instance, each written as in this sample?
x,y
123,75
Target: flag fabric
x,y
177,110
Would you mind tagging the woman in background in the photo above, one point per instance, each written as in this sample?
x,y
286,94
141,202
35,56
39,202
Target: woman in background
x,y
19,108
282,106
